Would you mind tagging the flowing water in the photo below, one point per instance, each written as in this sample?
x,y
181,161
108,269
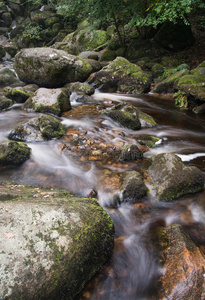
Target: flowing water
x,y
85,159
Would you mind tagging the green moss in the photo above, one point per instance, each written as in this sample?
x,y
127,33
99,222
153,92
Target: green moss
x,y
126,119
14,153
108,55
51,127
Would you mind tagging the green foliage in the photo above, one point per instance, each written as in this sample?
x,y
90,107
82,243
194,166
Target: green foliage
x,y
32,31
180,99
169,72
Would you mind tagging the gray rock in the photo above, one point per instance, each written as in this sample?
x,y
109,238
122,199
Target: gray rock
x,y
172,179
7,77
51,243
49,67
38,129
130,153
5,103
54,101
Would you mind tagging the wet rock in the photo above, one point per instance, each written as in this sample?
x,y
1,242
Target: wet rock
x,y
148,140
130,153
193,84
5,103
13,153
133,187
2,52
108,55
183,265
126,119
123,76
54,101
17,94
49,67
7,77
38,129
81,88
82,98
52,243
172,179
169,84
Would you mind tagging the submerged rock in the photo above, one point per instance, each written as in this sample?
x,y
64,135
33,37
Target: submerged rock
x,y
172,179
51,243
49,67
183,264
38,129
123,76
54,101
13,153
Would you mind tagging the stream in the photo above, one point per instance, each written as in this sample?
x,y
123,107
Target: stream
x,y
77,162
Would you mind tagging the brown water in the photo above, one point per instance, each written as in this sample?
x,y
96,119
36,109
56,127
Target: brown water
x,y
86,159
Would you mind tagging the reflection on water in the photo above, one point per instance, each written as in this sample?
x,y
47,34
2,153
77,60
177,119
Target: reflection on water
x,y
77,163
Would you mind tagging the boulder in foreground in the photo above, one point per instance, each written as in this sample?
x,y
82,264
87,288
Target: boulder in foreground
x,y
51,242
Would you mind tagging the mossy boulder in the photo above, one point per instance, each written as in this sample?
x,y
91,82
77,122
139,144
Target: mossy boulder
x,y
147,140
183,265
130,153
7,77
126,119
108,55
38,129
49,67
86,38
17,94
157,70
172,179
5,103
81,88
169,85
193,84
13,153
54,101
123,76
52,242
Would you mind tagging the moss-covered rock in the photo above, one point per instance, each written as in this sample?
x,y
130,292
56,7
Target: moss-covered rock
x,y
126,119
170,83
2,52
199,110
17,94
50,67
147,140
130,153
38,129
5,103
172,179
157,70
183,265
13,153
52,243
81,88
108,55
122,76
193,84
54,101
7,77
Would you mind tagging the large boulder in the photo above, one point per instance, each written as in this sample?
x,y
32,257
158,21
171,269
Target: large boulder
x,y
38,129
122,76
13,153
172,179
54,101
51,243
183,264
49,67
